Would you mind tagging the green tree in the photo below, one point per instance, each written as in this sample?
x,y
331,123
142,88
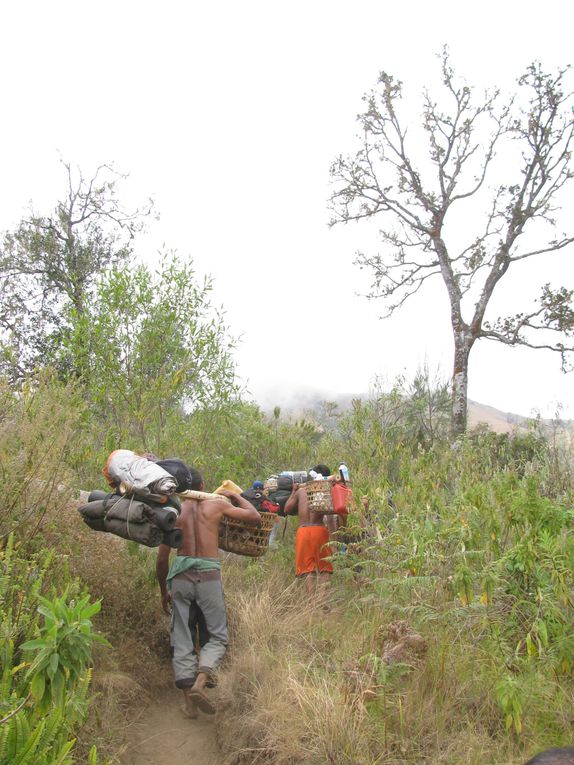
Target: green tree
x,y
427,406
422,192
50,263
149,345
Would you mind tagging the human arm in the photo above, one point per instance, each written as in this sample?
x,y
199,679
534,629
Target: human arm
x,y
161,570
239,507
293,501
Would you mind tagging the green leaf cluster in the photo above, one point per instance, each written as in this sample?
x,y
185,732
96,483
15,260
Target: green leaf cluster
x,y
45,653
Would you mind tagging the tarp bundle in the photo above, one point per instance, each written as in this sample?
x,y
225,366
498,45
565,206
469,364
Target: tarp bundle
x,y
131,518
137,474
278,487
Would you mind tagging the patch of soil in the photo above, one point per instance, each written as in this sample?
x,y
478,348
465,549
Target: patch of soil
x,y
163,736
402,645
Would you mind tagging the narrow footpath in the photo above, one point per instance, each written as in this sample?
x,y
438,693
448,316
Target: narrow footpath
x,y
163,736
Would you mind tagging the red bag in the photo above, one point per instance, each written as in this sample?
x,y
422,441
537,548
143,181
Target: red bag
x,y
269,507
341,495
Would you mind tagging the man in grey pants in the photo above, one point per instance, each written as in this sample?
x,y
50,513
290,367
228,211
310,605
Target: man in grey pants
x,y
192,581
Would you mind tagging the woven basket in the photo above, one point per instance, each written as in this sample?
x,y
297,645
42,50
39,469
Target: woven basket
x,y
244,538
319,496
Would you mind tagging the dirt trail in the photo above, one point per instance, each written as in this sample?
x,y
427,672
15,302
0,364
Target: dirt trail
x,y
163,736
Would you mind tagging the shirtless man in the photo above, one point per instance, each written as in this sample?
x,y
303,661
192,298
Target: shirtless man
x,y
192,581
312,540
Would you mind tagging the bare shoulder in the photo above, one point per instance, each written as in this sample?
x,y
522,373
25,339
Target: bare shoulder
x,y
213,506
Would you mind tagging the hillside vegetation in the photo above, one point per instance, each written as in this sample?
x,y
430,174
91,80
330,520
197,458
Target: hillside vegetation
x,y
446,637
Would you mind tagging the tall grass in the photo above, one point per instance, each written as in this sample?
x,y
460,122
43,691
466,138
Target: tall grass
x,y
474,560
478,562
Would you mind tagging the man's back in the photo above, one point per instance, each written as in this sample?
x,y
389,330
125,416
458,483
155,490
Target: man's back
x,y
199,522
298,501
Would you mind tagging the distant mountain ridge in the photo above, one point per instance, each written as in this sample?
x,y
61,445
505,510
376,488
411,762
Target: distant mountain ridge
x,y
497,421
296,402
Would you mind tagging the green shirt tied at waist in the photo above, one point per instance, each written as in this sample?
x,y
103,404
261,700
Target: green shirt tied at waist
x,y
182,563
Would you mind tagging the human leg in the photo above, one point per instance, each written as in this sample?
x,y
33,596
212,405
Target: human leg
x,y
331,523
189,708
322,551
184,659
184,656
310,583
273,534
197,626
211,602
324,566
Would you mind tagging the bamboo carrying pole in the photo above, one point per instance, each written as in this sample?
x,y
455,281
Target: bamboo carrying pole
x,y
191,494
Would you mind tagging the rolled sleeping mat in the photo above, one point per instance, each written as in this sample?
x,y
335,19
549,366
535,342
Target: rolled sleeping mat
x,y
100,502
163,517
146,534
97,494
172,502
173,538
93,511
128,510
96,524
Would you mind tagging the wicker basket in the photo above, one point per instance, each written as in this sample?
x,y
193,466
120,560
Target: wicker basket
x,y
244,538
319,496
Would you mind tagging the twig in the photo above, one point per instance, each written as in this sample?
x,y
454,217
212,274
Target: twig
x,y
15,711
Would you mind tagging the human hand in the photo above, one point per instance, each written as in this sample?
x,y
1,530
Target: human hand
x,y
166,603
365,502
227,493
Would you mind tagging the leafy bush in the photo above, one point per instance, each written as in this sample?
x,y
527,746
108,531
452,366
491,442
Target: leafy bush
x,y
38,428
43,700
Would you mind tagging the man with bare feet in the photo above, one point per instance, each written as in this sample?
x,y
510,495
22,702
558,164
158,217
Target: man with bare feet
x,y
312,540
192,581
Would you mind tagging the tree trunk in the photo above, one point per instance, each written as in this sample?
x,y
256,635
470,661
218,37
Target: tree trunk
x,y
463,342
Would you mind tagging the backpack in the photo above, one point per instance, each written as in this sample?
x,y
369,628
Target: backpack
x,y
280,496
179,470
259,501
284,483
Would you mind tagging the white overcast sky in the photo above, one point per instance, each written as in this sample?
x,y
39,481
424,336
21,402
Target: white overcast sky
x,y
229,114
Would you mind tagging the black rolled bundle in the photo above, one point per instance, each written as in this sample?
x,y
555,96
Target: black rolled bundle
x,y
173,538
130,518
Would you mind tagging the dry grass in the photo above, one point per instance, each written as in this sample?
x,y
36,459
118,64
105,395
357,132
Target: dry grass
x,y
299,685
304,686
285,698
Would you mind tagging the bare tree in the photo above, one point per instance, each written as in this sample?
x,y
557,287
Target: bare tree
x,y
421,193
51,261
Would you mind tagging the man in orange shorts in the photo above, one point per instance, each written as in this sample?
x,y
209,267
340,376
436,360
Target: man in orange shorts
x,y
312,540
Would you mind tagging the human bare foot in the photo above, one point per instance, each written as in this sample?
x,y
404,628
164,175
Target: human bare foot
x,y
189,708
202,701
